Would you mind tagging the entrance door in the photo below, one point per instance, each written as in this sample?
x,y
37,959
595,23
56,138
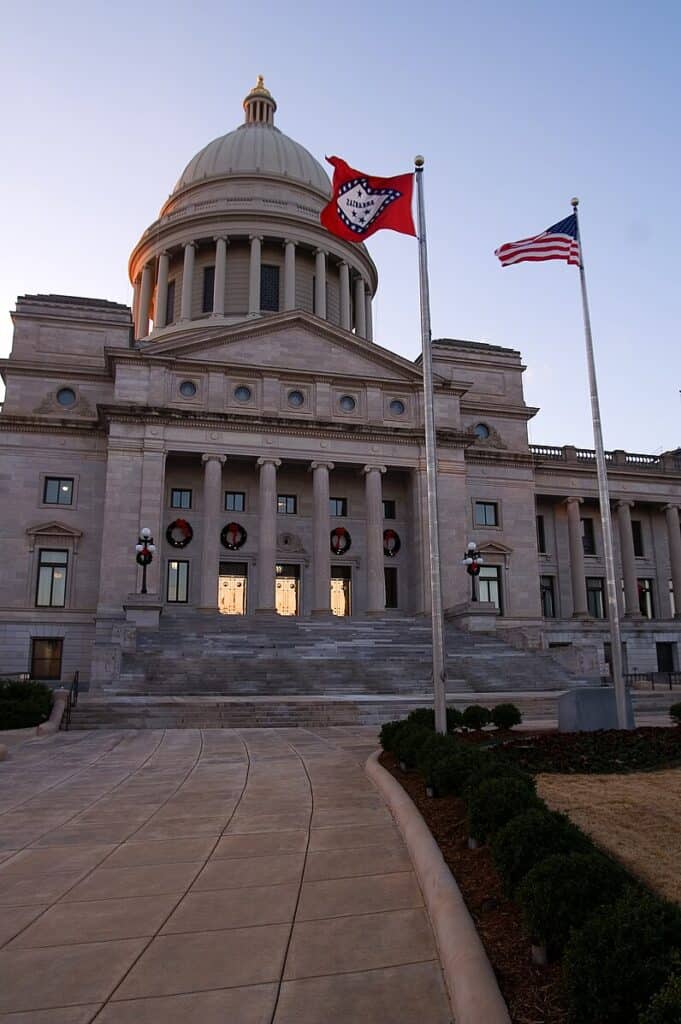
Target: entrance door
x,y
287,589
341,582
665,657
232,588
489,586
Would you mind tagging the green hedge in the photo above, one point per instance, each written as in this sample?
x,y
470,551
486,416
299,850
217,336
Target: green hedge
x,y
495,802
563,891
620,958
665,1007
530,838
675,712
23,705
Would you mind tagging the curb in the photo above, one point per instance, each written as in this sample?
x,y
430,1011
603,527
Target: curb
x,y
472,986
53,723
3,751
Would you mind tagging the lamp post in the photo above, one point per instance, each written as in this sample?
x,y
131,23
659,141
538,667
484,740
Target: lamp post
x,y
145,548
472,559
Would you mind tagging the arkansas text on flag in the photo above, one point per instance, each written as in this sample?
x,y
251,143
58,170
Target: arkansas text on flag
x,y
362,204
559,242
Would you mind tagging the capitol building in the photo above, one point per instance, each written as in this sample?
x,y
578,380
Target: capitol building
x,y
243,410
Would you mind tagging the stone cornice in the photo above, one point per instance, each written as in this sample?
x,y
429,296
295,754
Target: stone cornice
x,y
10,422
28,367
163,416
475,456
482,407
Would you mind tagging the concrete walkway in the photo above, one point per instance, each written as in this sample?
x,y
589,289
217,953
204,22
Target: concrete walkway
x,y
214,876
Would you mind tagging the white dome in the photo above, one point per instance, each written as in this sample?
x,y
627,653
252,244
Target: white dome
x,y
255,149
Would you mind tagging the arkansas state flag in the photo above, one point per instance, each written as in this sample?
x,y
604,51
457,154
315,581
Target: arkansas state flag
x,y
362,204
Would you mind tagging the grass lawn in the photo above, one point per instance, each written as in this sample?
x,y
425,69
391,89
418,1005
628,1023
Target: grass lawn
x,y
635,817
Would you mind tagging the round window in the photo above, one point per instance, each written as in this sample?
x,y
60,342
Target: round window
x,y
347,403
296,399
187,388
397,407
66,396
243,393
481,431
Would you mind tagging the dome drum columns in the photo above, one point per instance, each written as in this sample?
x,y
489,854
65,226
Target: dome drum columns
x,y
254,276
221,244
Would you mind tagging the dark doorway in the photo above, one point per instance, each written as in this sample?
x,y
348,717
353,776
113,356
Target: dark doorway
x,y
665,657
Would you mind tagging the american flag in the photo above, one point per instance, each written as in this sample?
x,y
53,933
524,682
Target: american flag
x,y
559,242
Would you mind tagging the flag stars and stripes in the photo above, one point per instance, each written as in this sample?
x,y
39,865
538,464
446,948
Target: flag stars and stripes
x,y
559,242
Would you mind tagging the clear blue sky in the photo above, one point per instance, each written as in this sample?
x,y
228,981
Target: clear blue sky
x,y
516,107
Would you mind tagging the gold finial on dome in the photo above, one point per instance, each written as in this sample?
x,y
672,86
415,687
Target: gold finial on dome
x,y
260,105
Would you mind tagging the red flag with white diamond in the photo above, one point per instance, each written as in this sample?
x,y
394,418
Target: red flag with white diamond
x,y
363,204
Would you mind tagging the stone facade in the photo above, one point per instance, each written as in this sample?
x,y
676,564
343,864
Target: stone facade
x,y
256,396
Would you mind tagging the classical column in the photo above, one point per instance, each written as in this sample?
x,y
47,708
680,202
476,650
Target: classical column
x,y
136,302
187,281
344,272
210,529
289,274
220,276
320,284
321,543
145,301
369,317
161,291
267,547
152,504
374,539
579,605
254,275
631,605
360,309
674,536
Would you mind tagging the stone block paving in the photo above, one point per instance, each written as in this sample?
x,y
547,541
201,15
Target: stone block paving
x,y
250,876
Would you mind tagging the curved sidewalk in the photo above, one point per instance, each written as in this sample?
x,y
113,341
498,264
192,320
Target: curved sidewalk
x,y
252,876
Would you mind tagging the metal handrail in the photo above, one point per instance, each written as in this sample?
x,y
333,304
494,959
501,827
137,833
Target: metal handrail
x,y
671,679
71,701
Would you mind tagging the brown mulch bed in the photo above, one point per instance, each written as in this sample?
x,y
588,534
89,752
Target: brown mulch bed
x,y
533,993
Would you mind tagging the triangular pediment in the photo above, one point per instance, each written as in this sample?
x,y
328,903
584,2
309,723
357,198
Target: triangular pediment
x,y
53,532
494,547
286,341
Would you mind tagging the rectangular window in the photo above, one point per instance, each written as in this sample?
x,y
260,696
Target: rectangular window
x,y
235,501
180,497
170,303
548,603
645,598
595,596
388,509
541,536
637,534
486,513
46,657
489,586
588,537
178,581
208,289
269,288
52,568
58,490
287,504
390,586
338,506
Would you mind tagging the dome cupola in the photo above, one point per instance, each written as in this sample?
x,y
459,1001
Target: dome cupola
x,y
240,237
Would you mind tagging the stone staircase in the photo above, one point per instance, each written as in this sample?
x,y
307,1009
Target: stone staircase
x,y
202,670
239,656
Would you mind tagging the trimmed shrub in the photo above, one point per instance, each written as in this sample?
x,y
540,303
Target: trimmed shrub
x,y
408,742
426,716
24,704
495,768
624,954
433,750
530,838
475,717
563,891
494,802
505,716
450,773
665,1007
675,713
389,733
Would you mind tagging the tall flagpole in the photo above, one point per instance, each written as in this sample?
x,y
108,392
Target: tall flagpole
x,y
437,617
604,500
